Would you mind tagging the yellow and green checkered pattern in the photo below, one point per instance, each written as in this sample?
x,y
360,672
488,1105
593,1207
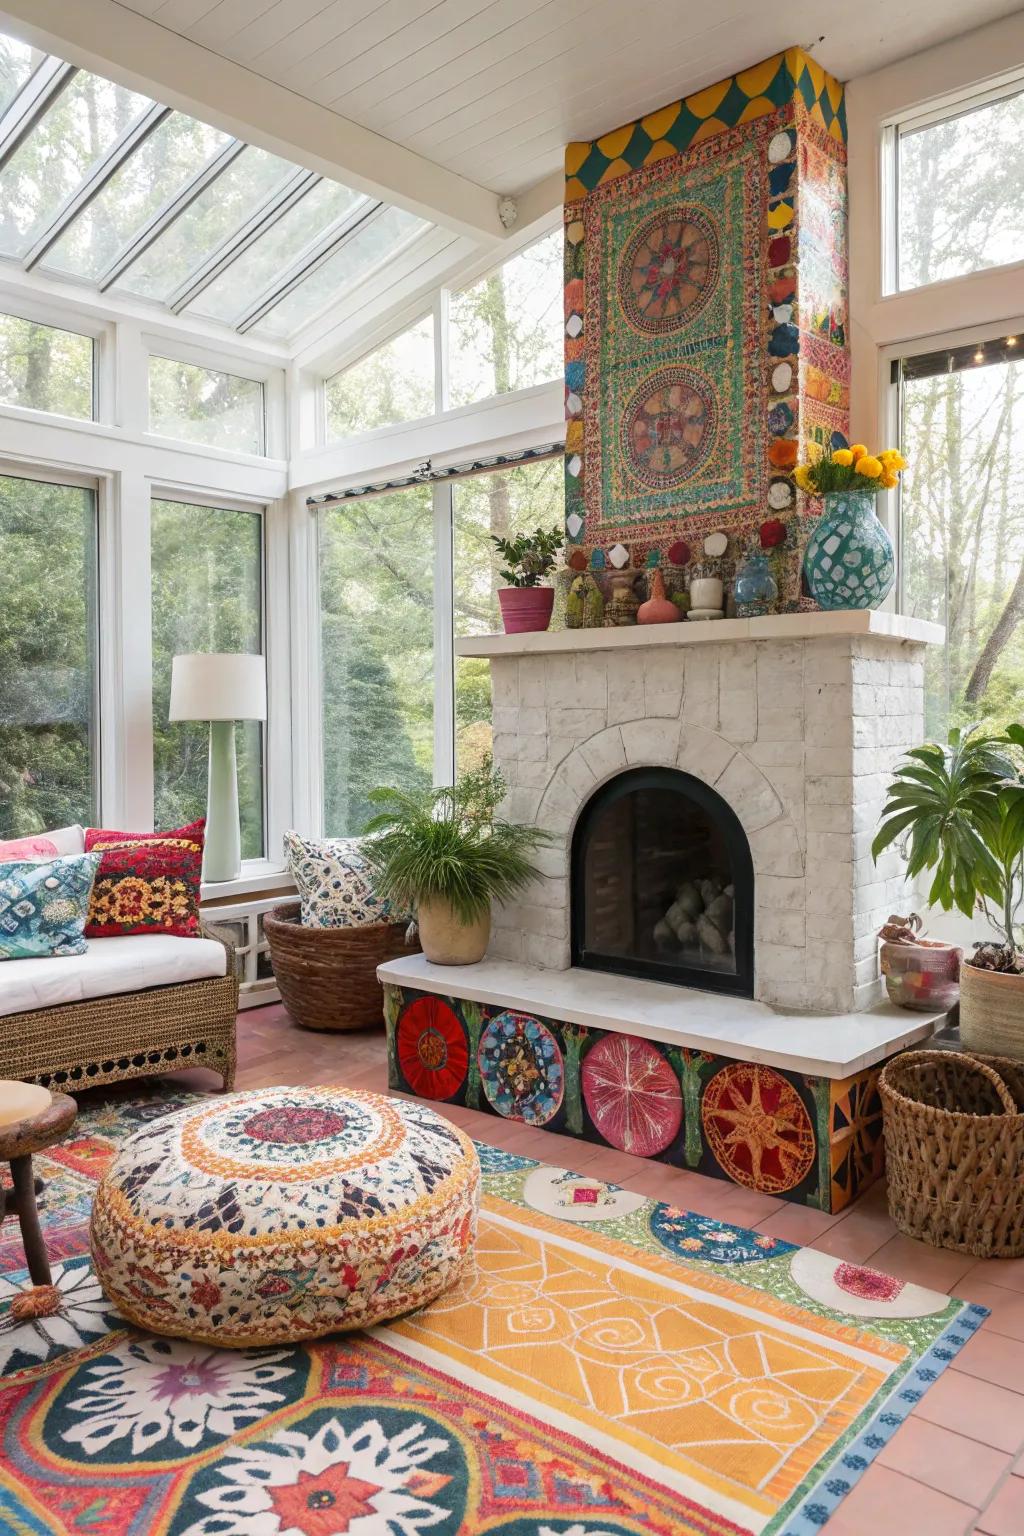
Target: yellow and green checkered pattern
x,y
753,93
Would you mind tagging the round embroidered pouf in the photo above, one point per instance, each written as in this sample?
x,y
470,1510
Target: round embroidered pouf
x,y
285,1214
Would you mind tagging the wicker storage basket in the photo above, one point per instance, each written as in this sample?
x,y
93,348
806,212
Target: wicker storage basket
x,y
328,976
992,1012
954,1150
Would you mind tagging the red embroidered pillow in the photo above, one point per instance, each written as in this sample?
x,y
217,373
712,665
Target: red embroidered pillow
x,y
147,882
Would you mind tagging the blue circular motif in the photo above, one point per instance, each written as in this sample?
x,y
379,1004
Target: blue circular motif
x,y
849,561
521,1068
692,1236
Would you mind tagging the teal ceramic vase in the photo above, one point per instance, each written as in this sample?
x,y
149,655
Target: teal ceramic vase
x,y
849,561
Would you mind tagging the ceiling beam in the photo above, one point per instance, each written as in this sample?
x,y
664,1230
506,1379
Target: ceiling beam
x,y
136,52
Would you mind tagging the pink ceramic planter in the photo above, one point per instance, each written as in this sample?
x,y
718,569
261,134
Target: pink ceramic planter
x,y
525,608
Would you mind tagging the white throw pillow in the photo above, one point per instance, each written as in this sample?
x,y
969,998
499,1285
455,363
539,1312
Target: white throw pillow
x,y
333,883
67,840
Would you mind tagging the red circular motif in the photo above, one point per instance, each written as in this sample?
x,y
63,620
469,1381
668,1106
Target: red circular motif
x,y
757,1127
432,1050
632,1095
669,427
294,1126
668,270
868,1284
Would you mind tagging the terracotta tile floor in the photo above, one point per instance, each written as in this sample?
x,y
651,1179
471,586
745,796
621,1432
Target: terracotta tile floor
x,y
956,1466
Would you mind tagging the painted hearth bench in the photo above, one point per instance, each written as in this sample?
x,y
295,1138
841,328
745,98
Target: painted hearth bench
x,y
782,1103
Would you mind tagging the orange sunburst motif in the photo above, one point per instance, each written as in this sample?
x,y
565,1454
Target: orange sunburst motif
x,y
323,1503
758,1128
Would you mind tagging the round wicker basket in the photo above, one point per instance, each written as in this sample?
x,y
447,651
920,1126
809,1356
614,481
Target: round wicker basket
x,y
992,1011
954,1150
328,976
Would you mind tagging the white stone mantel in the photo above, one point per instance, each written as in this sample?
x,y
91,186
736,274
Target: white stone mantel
x,y
779,626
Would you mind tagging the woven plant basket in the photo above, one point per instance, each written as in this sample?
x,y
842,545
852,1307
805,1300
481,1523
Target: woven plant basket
x,y
992,1011
954,1150
328,976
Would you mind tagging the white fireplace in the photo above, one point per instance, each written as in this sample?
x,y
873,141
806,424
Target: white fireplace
x,y
794,721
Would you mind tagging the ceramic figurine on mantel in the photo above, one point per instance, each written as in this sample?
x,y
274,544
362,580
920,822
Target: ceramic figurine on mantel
x,y
707,589
755,589
584,607
658,609
849,561
621,608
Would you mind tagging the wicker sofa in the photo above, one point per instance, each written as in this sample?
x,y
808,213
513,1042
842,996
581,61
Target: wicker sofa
x,y
120,1034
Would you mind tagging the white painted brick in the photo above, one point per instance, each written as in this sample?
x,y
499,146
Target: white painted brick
x,y
828,922
532,749
650,742
505,747
520,805
532,721
579,724
833,762
788,928
532,681
663,682
625,674
776,752
749,793
782,962
705,754
561,681
782,723
604,754
592,682
547,953
700,691
737,694
504,681
779,893
553,860
776,849
506,944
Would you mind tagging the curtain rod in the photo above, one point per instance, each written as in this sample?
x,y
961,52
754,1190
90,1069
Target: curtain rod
x,y
426,474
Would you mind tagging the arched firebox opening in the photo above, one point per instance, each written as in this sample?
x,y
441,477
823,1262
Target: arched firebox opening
x,y
663,884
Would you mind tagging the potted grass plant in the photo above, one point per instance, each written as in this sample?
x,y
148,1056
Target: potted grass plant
x,y
446,854
959,811
525,604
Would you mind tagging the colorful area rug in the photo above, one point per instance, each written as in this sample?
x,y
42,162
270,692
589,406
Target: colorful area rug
x,y
613,1366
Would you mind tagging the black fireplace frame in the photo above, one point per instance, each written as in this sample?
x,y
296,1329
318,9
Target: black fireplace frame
x,y
740,984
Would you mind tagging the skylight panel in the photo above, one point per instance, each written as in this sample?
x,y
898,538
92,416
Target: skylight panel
x,y
377,241
165,163
17,61
83,124
230,294
214,214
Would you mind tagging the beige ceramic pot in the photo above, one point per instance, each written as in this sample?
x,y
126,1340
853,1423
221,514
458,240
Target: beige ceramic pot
x,y
992,1012
446,940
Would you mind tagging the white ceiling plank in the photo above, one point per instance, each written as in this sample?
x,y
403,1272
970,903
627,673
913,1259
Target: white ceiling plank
x,y
370,69
137,52
388,26
226,20
179,15
266,32
326,29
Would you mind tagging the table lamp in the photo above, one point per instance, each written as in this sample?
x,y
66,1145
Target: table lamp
x,y
221,689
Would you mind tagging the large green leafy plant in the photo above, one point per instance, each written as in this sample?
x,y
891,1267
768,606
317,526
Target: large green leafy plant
x,y
529,556
960,813
449,844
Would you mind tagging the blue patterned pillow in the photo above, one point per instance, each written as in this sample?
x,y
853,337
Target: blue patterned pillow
x,y
44,904
333,883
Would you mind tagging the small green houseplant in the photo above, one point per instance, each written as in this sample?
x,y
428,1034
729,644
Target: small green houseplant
x,y
447,854
526,604
959,812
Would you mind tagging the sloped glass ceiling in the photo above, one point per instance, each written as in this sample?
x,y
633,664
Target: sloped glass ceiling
x,y
102,186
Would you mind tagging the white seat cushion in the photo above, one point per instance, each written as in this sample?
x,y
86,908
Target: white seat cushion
x,y
124,964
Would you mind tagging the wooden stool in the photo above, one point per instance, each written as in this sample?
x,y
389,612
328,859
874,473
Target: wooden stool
x,y
31,1119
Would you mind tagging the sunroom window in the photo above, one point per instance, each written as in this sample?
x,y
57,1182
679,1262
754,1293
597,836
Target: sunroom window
x,y
959,192
392,384
45,369
505,332
203,405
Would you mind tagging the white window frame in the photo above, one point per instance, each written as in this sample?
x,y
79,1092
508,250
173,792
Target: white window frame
x,y
394,334
59,318
271,381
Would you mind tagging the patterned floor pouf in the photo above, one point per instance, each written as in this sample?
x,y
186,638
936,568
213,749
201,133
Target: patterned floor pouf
x,y
285,1214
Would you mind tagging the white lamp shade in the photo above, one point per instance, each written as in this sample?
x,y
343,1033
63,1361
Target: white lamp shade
x,y
218,687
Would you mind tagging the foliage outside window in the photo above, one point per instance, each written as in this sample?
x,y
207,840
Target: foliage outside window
x,y
47,657
393,384
202,405
45,369
207,593
961,194
505,332
503,503
377,651
962,532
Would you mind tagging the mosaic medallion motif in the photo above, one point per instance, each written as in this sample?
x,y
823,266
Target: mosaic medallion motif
x,y
669,270
432,1050
757,1128
575,1197
669,427
693,1236
521,1068
857,1290
632,1095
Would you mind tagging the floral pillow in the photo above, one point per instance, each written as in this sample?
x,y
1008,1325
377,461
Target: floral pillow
x,y
148,882
43,906
333,883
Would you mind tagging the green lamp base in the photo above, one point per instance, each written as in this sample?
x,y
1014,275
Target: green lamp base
x,y
222,854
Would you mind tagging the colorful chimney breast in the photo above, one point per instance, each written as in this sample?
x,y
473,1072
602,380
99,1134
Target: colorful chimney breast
x,y
705,322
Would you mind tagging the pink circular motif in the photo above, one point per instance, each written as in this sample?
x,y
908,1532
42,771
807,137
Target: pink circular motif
x,y
294,1126
868,1284
669,427
632,1095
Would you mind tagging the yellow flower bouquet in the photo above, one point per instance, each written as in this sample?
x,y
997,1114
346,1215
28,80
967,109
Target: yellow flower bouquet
x,y
850,469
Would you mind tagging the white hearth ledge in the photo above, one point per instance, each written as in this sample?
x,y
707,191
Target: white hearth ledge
x,y
779,626
826,1045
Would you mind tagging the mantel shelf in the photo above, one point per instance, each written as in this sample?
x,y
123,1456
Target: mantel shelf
x,y
781,626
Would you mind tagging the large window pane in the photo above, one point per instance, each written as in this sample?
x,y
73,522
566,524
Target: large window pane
x,y
84,122
229,200
506,332
47,667
207,571
395,383
158,169
204,406
229,296
378,240
962,515
44,369
505,502
377,617
17,61
961,194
